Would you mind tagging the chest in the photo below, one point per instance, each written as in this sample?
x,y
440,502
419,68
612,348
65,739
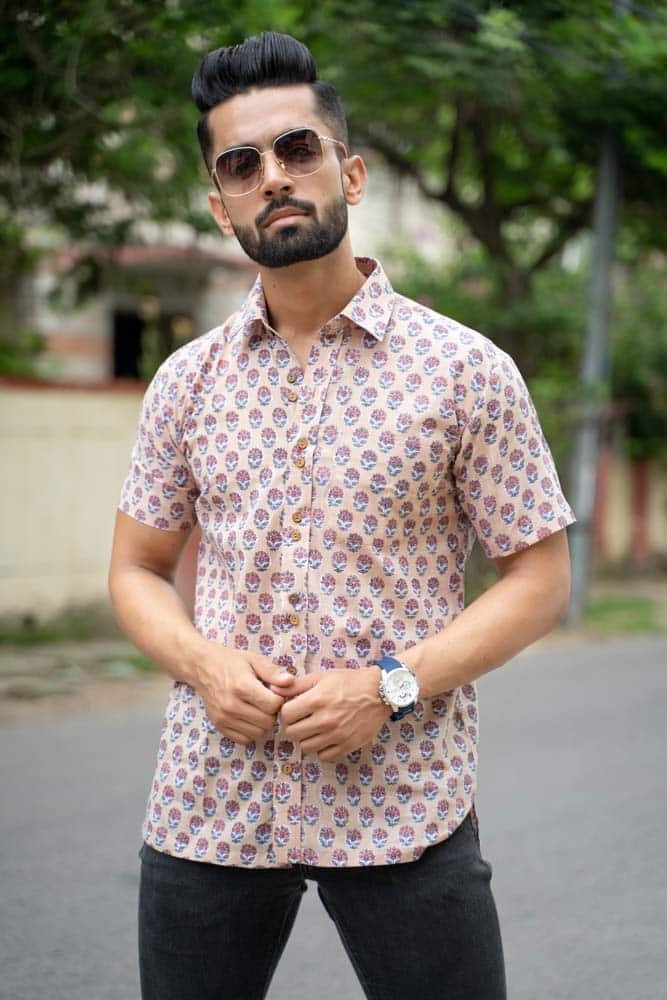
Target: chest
x,y
352,432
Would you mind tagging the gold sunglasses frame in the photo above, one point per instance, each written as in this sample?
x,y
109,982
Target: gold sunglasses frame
x,y
262,153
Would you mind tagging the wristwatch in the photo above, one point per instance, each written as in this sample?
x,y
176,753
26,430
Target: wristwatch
x,y
399,688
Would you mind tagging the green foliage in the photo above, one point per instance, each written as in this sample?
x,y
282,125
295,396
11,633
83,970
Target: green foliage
x,y
97,123
551,316
495,108
19,355
76,623
624,613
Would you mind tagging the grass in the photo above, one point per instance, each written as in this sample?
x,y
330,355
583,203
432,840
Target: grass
x,y
624,613
137,662
94,622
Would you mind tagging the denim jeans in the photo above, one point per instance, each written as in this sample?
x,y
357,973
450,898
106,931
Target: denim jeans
x,y
421,930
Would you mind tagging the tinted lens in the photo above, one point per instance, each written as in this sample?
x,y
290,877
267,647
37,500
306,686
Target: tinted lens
x,y
238,170
300,151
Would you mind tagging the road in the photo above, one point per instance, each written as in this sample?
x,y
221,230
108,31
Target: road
x,y
573,816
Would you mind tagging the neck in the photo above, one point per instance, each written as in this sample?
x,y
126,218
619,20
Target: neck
x,y
300,299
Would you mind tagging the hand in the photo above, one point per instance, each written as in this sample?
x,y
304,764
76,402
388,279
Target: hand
x,y
333,712
233,685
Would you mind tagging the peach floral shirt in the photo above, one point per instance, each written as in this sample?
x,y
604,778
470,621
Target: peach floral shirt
x,y
338,505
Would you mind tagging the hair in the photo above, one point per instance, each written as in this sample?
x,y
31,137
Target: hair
x,y
266,60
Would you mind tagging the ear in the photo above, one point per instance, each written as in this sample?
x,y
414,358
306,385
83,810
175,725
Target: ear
x,y
354,179
219,213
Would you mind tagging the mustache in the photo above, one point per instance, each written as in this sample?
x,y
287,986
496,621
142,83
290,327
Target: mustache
x,y
275,206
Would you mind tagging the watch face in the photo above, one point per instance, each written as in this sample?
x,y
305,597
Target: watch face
x,y
401,687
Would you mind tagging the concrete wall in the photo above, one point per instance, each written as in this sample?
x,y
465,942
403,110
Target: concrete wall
x,y
65,453
631,514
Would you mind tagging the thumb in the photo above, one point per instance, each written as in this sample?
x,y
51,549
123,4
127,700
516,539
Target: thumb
x,y
266,669
297,685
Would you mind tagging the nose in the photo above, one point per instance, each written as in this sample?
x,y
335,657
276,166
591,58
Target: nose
x,y
274,178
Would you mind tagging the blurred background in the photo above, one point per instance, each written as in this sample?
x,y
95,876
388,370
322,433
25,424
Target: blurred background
x,y
518,182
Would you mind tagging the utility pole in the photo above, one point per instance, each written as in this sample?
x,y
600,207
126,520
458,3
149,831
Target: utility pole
x,y
595,367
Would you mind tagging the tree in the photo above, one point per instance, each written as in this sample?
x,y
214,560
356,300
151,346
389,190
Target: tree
x,y
496,112
97,123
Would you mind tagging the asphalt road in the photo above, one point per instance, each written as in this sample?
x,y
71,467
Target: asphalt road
x,y
573,817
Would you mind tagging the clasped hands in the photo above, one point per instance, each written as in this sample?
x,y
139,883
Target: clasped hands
x,y
329,713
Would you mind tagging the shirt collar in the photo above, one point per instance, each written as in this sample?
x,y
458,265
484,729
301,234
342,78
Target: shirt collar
x,y
370,308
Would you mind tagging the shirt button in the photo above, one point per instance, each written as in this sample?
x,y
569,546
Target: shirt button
x,y
291,670
291,376
300,462
293,598
296,517
288,746
302,443
287,768
294,619
292,396
295,535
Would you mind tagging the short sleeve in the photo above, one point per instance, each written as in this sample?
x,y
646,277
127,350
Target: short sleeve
x,y
506,481
160,490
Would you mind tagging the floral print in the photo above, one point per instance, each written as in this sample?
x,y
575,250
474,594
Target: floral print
x,y
338,505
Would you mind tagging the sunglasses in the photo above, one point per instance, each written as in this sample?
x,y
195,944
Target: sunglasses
x,y
299,152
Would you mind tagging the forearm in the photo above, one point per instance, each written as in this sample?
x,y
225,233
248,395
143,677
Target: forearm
x,y
520,608
150,612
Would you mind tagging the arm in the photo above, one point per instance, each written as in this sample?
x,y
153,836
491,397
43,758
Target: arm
x,y
150,611
338,711
525,604
185,579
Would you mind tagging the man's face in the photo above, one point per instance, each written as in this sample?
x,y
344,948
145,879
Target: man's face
x,y
269,233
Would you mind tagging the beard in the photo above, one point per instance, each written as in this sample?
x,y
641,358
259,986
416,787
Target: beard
x,y
311,240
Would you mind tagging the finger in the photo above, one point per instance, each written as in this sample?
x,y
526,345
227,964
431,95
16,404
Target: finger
x,y
281,681
265,669
299,685
319,743
255,693
282,692
239,713
304,729
251,715
294,689
300,707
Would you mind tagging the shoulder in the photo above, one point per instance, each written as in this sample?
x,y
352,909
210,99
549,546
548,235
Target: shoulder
x,y
466,353
195,363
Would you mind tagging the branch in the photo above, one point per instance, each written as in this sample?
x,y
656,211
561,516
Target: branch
x,y
478,129
569,225
389,148
71,85
454,150
483,221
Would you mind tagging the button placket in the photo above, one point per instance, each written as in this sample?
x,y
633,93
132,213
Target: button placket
x,y
287,787
297,525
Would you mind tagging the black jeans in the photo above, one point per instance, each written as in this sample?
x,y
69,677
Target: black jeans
x,y
421,930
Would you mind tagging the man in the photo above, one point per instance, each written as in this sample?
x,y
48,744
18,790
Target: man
x,y
339,447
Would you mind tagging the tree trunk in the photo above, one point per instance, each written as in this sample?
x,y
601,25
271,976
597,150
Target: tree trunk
x,y
515,287
640,493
